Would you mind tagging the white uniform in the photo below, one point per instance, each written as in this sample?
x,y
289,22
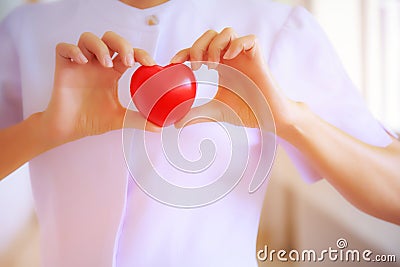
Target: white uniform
x,y
90,211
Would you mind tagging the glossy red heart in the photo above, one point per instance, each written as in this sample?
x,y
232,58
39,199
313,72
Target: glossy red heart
x,y
163,95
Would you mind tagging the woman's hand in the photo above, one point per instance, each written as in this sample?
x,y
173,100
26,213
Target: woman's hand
x,y
240,93
85,94
337,156
84,100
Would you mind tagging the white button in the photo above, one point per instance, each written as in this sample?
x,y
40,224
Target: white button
x,y
152,20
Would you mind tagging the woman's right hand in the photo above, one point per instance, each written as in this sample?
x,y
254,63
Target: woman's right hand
x,y
85,100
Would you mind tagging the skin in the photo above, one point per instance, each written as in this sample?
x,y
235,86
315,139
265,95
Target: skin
x,y
143,4
73,114
82,104
339,158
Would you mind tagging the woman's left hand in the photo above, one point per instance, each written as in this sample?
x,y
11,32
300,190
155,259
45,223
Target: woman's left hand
x,y
243,55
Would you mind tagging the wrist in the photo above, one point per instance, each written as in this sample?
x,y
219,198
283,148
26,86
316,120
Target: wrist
x,y
43,133
291,125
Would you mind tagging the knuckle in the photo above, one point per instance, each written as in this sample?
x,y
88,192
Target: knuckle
x,y
214,50
181,51
198,46
107,33
139,51
192,52
60,46
211,32
228,30
252,36
213,46
85,35
184,52
195,53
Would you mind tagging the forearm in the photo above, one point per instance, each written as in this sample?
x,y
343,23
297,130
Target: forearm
x,y
20,143
367,176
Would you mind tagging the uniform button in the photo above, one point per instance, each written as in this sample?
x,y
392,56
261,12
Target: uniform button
x,y
152,20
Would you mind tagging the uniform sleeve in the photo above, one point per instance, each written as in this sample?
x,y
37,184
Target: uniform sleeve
x,y
10,80
308,70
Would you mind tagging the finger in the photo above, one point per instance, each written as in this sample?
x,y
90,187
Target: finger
x,y
220,43
134,119
198,51
139,55
93,46
126,52
181,56
143,57
121,46
70,52
246,44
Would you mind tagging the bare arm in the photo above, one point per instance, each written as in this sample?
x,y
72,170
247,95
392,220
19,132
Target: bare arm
x,y
367,176
20,143
84,100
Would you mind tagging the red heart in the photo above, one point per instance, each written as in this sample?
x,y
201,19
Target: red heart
x,y
167,96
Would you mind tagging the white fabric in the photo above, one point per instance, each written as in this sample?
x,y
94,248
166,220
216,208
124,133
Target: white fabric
x,y
80,189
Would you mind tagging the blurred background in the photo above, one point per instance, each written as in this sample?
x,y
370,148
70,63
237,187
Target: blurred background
x,y
366,35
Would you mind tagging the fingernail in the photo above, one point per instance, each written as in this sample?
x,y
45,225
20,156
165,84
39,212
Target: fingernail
x,y
108,61
82,58
130,61
228,55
